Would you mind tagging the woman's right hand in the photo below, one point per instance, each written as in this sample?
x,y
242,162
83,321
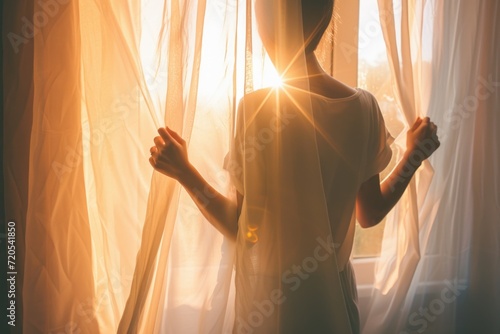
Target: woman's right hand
x,y
169,155
422,139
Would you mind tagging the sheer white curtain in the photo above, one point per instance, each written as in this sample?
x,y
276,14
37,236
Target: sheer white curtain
x,y
107,73
110,245
99,223
438,272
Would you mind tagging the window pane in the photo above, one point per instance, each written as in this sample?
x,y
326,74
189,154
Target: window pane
x,y
374,75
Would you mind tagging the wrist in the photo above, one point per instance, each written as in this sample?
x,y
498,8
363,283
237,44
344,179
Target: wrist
x,y
413,158
186,174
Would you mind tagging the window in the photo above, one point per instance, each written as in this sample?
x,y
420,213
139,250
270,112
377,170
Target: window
x,y
374,75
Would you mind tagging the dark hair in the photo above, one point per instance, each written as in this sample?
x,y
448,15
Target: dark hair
x,y
316,16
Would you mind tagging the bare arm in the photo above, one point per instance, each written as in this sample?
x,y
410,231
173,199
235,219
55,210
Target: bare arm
x,y
375,200
169,157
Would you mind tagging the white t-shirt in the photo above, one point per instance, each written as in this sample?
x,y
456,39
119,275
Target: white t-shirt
x,y
299,164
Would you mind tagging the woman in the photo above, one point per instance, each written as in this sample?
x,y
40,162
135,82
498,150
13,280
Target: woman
x,y
305,163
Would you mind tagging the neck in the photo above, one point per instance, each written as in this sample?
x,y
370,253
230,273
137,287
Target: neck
x,y
313,67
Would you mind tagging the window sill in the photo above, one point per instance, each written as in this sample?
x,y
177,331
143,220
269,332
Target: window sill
x,y
364,269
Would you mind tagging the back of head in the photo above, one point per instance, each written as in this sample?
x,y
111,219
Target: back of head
x,y
314,14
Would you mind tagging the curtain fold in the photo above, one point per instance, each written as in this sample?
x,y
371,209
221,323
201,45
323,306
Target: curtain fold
x,y
443,67
58,255
104,244
164,47
468,73
401,251
107,74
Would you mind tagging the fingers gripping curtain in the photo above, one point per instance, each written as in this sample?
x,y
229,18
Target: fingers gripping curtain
x,y
101,74
401,250
148,285
166,45
446,52
123,69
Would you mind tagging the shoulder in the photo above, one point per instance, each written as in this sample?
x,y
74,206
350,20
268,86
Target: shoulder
x,y
366,95
369,103
255,102
258,97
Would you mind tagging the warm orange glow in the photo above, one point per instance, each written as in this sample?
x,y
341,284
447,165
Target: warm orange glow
x,y
251,234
